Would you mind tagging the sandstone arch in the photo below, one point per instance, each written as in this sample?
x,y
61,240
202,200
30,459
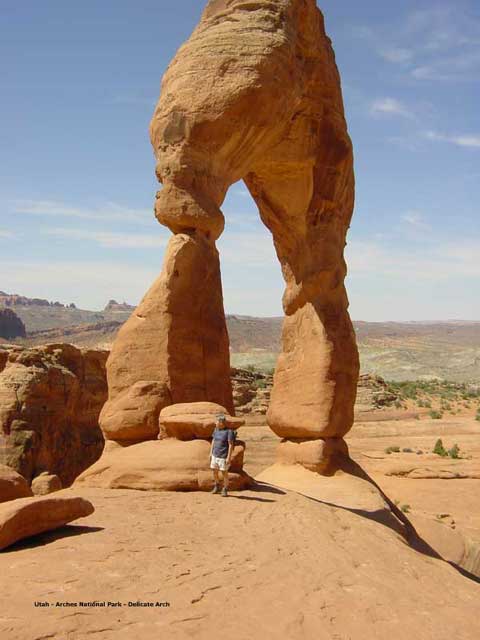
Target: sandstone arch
x,y
254,94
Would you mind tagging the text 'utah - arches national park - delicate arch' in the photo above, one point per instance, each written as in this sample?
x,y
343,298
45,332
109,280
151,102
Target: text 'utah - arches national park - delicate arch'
x,y
253,95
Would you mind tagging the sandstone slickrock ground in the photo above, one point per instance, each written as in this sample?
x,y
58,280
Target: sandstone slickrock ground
x,y
262,564
50,400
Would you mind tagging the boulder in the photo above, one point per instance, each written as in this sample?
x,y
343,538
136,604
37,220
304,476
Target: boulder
x,y
50,400
162,465
133,415
12,485
190,420
46,483
26,517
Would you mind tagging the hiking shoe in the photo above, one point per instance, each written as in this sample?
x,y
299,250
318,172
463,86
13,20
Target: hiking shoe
x,y
216,489
224,493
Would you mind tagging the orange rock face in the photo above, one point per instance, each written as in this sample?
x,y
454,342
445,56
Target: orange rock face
x,y
254,94
174,348
187,421
50,400
315,455
162,465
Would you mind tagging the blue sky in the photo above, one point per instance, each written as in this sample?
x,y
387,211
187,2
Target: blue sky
x,y
80,81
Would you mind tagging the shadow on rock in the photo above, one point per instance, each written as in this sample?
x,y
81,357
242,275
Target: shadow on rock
x,y
399,523
41,539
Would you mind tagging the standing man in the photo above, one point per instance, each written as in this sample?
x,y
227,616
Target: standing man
x,y
221,451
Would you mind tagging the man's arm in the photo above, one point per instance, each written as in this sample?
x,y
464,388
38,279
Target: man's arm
x,y
211,445
230,453
231,442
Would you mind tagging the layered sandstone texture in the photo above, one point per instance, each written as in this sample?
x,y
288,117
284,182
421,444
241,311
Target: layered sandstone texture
x,y
50,401
26,517
267,108
174,348
179,460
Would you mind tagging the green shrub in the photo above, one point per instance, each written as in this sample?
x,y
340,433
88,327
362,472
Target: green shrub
x,y
405,508
435,415
260,384
454,451
439,449
393,449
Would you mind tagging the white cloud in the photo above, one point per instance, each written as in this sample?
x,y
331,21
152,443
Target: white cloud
x,y
111,239
397,55
457,68
107,211
5,235
472,141
415,220
431,263
442,41
390,106
248,248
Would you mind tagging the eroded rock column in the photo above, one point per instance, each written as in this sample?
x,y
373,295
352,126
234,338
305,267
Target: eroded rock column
x,y
174,348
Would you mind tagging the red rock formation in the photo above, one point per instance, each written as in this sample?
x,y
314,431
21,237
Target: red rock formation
x,y
174,347
266,108
50,400
191,420
161,465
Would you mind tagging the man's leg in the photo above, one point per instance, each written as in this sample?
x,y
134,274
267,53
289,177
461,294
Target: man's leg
x,y
225,482
216,481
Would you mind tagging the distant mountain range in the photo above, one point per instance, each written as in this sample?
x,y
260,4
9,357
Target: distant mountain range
x,y
394,350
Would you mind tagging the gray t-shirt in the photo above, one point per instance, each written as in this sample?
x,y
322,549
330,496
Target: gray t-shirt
x,y
221,439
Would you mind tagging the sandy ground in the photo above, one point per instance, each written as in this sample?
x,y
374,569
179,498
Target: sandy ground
x,y
264,563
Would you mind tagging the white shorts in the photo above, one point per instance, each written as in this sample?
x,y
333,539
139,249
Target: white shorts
x,y
218,463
